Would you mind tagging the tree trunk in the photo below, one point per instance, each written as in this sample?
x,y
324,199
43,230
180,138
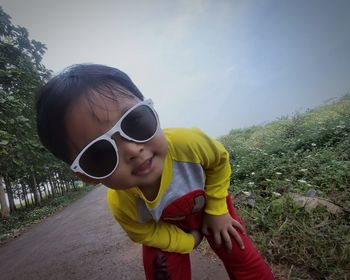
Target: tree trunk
x,y
36,192
40,192
20,202
24,192
10,195
18,193
53,187
60,183
46,191
66,185
5,211
50,188
32,199
61,187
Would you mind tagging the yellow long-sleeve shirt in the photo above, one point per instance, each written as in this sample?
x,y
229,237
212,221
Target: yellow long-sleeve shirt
x,y
194,161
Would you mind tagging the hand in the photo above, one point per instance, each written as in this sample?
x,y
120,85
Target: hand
x,y
222,227
197,237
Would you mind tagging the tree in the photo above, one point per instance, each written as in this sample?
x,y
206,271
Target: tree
x,y
4,208
22,157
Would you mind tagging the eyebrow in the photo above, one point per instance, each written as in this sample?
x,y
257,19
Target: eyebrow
x,y
125,109
122,113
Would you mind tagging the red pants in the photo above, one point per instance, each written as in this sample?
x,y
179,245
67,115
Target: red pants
x,y
240,264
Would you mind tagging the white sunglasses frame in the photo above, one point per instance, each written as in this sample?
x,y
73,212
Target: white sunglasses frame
x,y
75,166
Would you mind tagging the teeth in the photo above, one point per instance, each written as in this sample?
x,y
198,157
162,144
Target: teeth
x,y
143,166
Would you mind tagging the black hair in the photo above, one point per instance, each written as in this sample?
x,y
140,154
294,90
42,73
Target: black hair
x,y
55,98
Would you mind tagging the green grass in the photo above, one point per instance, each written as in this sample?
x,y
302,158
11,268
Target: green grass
x,y
295,154
23,218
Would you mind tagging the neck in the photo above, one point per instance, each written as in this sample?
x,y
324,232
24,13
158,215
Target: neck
x,y
150,191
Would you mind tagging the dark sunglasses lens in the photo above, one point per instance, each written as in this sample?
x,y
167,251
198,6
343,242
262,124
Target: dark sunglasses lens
x,y
99,159
140,124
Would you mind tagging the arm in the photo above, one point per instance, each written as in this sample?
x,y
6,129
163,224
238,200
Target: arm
x,y
217,221
164,236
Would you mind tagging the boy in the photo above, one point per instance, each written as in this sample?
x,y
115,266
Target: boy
x,y
166,187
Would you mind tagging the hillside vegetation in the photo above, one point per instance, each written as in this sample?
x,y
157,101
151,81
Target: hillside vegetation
x,y
308,155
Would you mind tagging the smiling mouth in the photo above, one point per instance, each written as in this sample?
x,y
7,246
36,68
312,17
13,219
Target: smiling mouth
x,y
144,168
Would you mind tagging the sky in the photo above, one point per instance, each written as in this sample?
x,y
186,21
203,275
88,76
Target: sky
x,y
214,64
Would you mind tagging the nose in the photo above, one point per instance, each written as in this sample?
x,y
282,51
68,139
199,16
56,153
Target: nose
x,y
127,149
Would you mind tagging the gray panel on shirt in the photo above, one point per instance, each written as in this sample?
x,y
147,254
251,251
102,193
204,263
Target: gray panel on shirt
x,y
187,177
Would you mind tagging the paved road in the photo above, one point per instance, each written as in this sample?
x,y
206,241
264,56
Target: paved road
x,y
84,242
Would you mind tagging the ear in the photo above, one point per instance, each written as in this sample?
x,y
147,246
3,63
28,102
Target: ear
x,y
87,179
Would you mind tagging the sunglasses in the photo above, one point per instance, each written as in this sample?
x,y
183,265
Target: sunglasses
x,y
99,159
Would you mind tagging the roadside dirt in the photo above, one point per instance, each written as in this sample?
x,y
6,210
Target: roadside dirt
x,y
84,242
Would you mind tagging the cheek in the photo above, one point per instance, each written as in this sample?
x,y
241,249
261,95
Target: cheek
x,y
164,148
119,180
122,174
160,143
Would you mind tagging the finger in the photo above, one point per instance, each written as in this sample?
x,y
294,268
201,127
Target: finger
x,y
205,230
217,238
238,225
197,237
234,233
226,238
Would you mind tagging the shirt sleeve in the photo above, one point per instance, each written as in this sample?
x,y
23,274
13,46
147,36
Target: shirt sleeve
x,y
164,236
213,157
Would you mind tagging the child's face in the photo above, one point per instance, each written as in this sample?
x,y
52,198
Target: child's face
x,y
140,164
